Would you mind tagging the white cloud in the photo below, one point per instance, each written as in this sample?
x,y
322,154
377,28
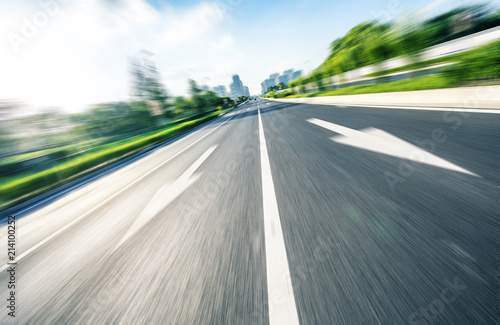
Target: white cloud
x,y
224,43
192,24
79,56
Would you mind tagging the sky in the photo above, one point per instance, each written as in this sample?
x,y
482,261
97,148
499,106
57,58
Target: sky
x,y
73,53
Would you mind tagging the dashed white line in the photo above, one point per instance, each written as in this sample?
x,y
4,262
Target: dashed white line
x,y
282,308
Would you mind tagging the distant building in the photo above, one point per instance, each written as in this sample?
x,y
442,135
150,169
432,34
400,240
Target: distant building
x,y
275,79
220,91
247,92
237,88
265,85
294,75
284,78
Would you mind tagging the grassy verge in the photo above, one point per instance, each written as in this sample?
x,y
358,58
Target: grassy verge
x,y
5,162
485,50
432,82
476,66
18,188
479,65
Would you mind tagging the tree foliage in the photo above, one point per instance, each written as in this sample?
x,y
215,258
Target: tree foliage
x,y
373,42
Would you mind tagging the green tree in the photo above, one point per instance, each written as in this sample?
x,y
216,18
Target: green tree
x,y
193,88
272,88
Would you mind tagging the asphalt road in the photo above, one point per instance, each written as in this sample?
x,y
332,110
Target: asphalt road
x,y
276,213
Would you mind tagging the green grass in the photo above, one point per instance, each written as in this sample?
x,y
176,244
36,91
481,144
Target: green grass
x,y
432,82
479,65
456,57
25,156
21,157
23,186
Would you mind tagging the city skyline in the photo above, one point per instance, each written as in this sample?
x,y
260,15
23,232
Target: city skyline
x,y
276,78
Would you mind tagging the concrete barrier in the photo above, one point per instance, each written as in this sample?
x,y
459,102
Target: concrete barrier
x,y
463,97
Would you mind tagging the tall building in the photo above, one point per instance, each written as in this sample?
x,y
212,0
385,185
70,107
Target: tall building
x,y
265,84
284,78
237,88
247,92
295,75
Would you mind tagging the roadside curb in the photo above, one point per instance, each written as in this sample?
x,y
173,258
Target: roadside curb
x,y
477,99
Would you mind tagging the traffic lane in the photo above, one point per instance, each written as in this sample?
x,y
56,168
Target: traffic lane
x,y
179,296
360,253
199,261
41,223
445,134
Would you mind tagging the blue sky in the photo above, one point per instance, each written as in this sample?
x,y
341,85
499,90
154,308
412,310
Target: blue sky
x,y
276,35
79,56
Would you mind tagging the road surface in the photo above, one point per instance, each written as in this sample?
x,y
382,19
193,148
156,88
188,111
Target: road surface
x,y
276,213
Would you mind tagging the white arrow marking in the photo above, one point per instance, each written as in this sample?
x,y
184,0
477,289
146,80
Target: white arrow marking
x,y
166,195
385,143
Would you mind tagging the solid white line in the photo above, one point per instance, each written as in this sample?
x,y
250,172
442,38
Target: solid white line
x,y
282,308
110,198
165,196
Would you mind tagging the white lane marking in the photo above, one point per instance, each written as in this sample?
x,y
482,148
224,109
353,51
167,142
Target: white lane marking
x,y
282,308
110,198
376,140
166,195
